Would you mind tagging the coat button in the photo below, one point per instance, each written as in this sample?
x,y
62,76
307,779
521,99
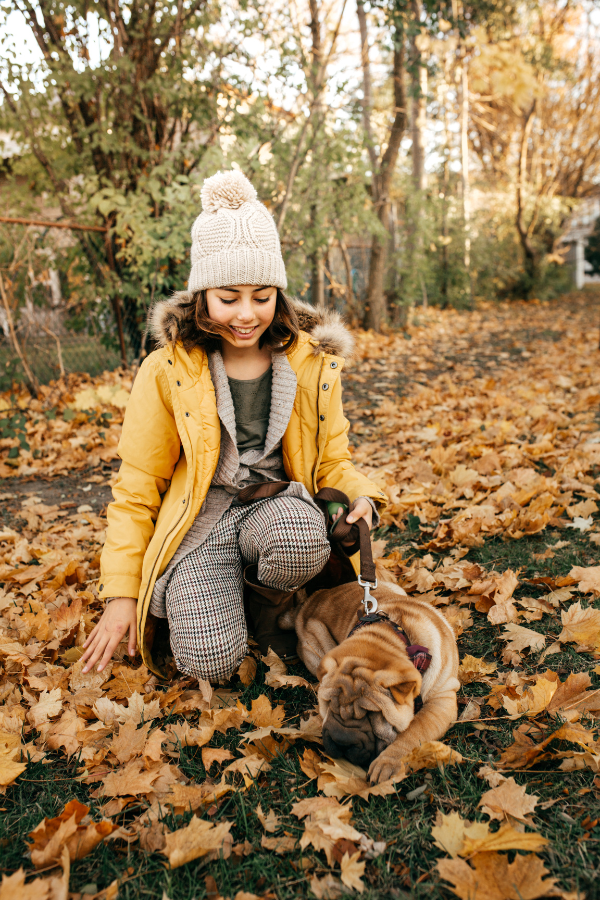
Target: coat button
x,y
322,418
100,587
183,501
325,387
334,365
187,415
178,384
170,361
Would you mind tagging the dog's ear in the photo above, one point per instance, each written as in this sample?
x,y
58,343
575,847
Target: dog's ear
x,y
403,682
405,691
327,664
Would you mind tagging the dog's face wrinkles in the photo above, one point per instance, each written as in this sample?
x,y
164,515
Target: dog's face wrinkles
x,y
364,707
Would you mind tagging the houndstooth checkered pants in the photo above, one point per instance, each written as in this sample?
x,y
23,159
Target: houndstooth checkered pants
x,y
205,594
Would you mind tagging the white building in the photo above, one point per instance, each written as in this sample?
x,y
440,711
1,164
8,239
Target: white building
x,y
578,228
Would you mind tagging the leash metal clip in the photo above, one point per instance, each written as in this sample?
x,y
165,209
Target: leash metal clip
x,y
369,602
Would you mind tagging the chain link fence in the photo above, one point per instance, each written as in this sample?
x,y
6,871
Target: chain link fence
x,y
41,343
39,347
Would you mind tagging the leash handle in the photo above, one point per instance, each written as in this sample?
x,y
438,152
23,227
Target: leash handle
x,y
358,532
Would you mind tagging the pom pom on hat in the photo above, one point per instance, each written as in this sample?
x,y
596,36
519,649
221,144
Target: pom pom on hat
x,y
226,190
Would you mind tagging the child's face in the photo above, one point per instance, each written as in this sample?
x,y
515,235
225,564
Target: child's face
x,y
246,311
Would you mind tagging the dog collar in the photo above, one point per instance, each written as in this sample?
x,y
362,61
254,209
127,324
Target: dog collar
x,y
419,656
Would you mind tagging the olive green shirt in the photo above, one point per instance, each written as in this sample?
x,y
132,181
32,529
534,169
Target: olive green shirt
x,y
252,404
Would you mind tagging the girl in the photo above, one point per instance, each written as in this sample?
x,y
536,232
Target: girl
x,y
244,390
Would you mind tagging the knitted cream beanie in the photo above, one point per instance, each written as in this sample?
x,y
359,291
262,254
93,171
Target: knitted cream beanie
x,y
234,239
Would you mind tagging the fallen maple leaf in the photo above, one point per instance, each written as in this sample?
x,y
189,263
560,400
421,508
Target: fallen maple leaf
x,y
572,698
460,838
247,670
473,669
310,763
9,769
581,524
506,838
534,699
248,766
589,579
196,839
130,780
581,626
508,801
326,888
450,832
341,778
184,735
431,755
352,872
78,679
271,822
126,681
520,638
130,741
502,608
214,754
277,675
186,797
263,715
490,876
280,845
153,747
64,733
56,887
321,807
51,836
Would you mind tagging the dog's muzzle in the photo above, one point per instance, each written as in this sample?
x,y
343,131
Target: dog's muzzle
x,y
353,738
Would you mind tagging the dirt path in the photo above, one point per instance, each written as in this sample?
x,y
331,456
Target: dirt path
x,y
89,487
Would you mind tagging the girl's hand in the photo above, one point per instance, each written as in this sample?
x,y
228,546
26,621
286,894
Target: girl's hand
x,y
118,618
361,509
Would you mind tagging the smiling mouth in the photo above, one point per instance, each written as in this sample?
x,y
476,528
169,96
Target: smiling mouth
x,y
243,331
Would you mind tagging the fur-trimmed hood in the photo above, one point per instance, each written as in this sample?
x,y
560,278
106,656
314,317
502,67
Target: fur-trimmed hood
x,y
325,326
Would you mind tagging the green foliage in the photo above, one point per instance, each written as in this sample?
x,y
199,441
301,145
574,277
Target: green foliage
x,y
13,424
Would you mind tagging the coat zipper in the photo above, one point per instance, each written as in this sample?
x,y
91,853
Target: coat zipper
x,y
166,538
316,465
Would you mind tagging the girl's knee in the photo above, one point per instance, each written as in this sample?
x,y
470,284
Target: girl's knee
x,y
299,523
209,666
296,551
209,656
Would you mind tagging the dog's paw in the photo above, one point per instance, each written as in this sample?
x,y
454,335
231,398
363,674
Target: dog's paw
x,y
385,767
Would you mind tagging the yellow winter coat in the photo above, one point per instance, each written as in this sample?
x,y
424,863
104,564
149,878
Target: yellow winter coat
x,y
170,448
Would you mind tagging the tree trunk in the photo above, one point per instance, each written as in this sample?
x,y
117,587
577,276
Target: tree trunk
x,y
317,285
382,182
350,299
367,102
445,188
466,184
530,256
418,117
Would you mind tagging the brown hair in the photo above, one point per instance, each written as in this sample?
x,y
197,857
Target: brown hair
x,y
197,329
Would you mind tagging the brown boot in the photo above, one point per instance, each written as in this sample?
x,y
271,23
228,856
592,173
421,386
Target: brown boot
x,y
264,606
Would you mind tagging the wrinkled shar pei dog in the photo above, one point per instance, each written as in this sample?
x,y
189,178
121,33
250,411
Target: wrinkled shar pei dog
x,y
387,683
